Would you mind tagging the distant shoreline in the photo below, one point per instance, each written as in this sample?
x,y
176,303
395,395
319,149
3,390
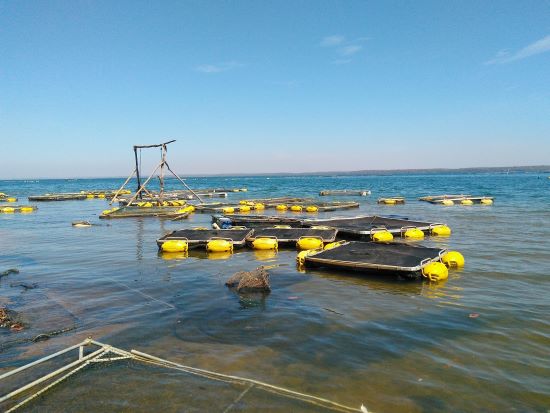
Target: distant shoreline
x,y
545,169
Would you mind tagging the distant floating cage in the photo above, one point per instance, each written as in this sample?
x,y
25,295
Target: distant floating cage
x,y
458,200
374,257
8,208
76,196
394,200
431,198
153,201
57,197
7,198
136,211
292,235
254,221
345,192
197,238
363,227
303,204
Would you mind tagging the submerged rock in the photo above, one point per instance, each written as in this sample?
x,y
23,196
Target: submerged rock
x,y
8,272
256,280
7,320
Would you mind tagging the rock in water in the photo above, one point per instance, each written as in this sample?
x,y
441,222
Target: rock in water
x,y
256,280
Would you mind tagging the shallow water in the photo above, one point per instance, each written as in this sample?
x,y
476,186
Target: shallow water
x,y
392,345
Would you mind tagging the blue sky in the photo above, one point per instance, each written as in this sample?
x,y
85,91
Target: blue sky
x,y
272,86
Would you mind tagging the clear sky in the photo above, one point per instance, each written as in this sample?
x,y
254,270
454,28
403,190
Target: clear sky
x,y
272,86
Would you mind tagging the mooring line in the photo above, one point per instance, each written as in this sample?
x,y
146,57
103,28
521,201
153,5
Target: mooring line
x,y
143,294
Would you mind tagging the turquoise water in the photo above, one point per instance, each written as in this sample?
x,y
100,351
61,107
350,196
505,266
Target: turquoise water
x,y
392,345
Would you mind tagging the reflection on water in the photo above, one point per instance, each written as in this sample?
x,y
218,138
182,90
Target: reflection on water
x,y
394,345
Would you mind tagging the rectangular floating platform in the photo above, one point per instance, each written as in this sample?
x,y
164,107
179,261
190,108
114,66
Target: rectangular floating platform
x,y
374,257
200,237
292,235
391,200
72,196
461,199
8,208
136,212
57,197
345,192
431,198
255,221
361,227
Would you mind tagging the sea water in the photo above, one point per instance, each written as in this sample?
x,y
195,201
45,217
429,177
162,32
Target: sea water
x,y
478,342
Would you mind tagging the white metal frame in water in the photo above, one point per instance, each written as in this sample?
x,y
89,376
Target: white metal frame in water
x,y
108,353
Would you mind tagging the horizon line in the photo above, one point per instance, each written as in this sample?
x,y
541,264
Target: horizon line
x,y
531,168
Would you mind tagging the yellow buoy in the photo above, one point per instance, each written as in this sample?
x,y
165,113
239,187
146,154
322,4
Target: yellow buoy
x,y
382,236
106,212
243,202
281,207
147,205
175,245
244,208
259,206
8,210
312,208
486,201
453,259
414,233
228,210
447,202
466,202
219,245
101,195
296,208
89,196
389,201
27,209
332,245
320,227
309,243
440,231
282,226
265,243
11,199
435,271
301,256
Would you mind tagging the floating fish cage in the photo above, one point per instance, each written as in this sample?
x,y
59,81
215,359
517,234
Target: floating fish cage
x,y
200,237
7,208
449,200
374,257
293,235
345,192
57,197
154,211
364,227
254,221
149,201
7,198
76,196
430,198
394,200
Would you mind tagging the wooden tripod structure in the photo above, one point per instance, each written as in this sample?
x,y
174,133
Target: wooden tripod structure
x,y
141,188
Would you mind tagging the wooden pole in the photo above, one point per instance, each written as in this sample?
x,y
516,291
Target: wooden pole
x,y
113,199
137,171
183,182
141,188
